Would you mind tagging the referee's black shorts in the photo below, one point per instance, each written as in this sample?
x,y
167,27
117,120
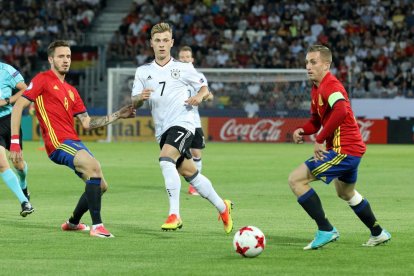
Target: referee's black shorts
x,y
5,132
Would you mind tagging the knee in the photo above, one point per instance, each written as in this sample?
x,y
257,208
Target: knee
x,y
92,170
344,196
187,168
104,186
196,153
292,180
4,164
3,168
186,172
297,183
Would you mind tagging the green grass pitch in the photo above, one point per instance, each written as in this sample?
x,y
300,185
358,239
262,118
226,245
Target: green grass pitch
x,y
253,176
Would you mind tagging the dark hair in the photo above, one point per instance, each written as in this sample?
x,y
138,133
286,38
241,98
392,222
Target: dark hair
x,y
326,53
57,43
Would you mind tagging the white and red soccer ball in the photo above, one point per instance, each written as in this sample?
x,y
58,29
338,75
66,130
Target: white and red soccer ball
x,y
249,241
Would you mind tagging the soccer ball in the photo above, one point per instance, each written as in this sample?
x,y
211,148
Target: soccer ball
x,y
249,241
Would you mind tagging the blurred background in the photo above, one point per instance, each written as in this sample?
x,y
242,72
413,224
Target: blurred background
x,y
372,44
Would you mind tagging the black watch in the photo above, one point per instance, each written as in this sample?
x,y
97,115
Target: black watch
x,y
7,100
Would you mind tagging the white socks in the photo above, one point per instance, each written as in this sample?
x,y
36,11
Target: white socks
x,y
172,185
199,163
206,190
356,199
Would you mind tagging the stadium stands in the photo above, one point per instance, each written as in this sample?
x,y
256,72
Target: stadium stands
x,y
372,44
27,27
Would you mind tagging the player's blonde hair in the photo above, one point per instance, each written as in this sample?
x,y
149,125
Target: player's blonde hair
x,y
57,43
161,28
326,54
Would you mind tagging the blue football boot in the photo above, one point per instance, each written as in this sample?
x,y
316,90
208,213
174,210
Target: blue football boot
x,y
322,238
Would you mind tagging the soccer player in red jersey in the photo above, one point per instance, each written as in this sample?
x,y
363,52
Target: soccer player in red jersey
x,y
56,103
337,152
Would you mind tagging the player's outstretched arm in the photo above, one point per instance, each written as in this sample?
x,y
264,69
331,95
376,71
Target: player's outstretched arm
x,y
16,154
138,100
90,123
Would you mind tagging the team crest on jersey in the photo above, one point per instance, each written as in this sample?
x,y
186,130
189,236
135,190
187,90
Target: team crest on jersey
x,y
175,73
320,100
66,103
71,95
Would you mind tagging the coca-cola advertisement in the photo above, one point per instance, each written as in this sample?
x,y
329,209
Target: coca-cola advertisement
x,y
373,131
276,130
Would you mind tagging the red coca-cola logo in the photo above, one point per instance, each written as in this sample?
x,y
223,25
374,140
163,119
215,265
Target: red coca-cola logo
x,y
262,130
275,130
364,129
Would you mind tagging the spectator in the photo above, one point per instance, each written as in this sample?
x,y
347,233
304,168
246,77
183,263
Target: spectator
x,y
392,90
371,42
253,88
377,89
358,91
251,107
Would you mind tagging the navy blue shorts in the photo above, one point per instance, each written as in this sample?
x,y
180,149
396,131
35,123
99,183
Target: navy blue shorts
x,y
335,165
66,152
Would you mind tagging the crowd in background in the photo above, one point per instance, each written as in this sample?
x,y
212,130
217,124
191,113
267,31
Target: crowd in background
x,y
372,41
28,26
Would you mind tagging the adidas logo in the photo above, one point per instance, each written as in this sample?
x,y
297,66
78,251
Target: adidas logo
x,y
149,77
56,87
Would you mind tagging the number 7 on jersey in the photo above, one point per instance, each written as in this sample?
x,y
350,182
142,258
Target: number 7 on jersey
x,y
163,86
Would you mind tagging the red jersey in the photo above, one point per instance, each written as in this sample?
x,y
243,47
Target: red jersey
x,y
56,104
346,138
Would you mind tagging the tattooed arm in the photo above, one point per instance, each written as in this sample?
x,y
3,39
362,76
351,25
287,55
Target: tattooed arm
x,y
91,123
138,100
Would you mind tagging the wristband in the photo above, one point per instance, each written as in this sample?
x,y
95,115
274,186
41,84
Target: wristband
x,y
7,100
15,143
15,139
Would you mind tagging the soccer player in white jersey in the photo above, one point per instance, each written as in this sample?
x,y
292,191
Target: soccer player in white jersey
x,y
186,55
163,83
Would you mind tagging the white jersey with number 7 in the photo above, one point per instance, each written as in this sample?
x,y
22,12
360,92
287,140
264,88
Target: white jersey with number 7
x,y
167,101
